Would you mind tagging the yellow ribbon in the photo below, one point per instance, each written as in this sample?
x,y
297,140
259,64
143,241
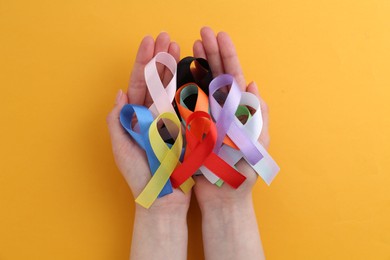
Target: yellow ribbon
x,y
168,157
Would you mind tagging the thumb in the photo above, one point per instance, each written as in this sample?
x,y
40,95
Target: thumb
x,y
264,136
117,133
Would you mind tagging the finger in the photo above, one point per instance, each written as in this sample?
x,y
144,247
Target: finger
x,y
231,64
161,45
252,88
174,50
211,48
137,86
117,133
264,135
198,50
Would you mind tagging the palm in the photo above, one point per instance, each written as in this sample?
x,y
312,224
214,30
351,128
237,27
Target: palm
x,y
130,158
221,55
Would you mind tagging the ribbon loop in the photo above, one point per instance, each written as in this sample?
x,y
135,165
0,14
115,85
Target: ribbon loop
x,y
162,96
194,99
168,157
266,168
200,152
227,121
198,102
200,73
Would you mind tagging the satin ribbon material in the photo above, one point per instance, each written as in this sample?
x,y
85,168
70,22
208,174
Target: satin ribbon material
x,y
200,73
199,103
163,96
196,71
168,157
266,168
162,157
226,120
200,152
145,119
213,148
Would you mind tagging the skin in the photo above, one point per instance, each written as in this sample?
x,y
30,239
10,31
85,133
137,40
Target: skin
x,y
157,233
229,224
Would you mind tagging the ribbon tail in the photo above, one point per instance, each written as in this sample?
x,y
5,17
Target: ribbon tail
x,y
154,187
266,168
209,175
187,185
224,171
247,146
219,183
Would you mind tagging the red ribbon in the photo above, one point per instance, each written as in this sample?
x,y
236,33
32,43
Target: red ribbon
x,y
199,151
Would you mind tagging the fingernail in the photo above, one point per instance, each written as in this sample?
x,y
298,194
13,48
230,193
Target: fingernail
x,y
118,96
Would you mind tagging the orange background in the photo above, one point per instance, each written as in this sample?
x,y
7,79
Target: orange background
x,y
322,66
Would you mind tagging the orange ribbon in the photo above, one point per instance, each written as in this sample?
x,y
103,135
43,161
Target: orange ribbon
x,y
201,136
201,104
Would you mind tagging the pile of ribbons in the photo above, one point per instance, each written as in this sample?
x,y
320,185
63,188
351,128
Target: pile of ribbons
x,y
197,124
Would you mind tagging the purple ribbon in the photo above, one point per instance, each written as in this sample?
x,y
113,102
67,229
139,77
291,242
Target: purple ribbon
x,y
226,120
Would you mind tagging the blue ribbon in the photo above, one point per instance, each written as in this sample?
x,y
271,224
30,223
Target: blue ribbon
x,y
145,118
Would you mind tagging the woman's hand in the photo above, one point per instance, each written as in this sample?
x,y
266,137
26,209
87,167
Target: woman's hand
x,y
129,157
159,232
229,223
222,57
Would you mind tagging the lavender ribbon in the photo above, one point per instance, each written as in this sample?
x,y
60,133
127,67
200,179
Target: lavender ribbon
x,y
226,120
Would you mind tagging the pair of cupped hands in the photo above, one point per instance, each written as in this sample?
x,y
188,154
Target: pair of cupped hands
x,y
219,51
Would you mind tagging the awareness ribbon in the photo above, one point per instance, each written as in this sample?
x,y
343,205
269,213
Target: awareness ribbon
x,y
192,70
266,168
199,74
163,96
200,152
226,120
199,103
159,185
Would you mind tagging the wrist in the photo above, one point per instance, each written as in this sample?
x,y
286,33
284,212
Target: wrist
x,y
172,205
226,205
230,229
160,233
163,222
162,212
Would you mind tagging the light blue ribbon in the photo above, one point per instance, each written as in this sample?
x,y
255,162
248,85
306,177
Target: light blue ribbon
x,y
145,118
